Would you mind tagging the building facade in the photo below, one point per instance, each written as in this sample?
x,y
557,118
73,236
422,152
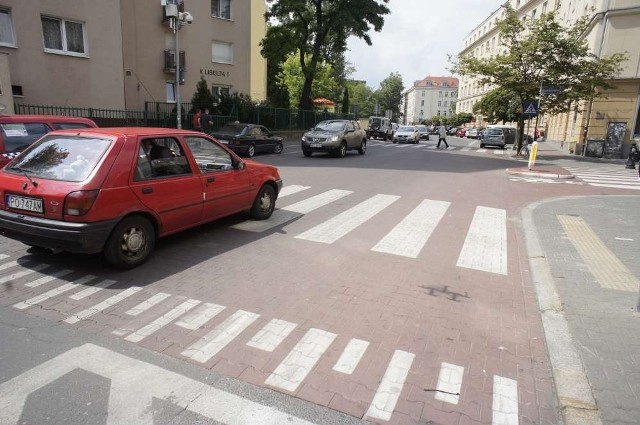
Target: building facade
x,y
429,97
614,28
121,54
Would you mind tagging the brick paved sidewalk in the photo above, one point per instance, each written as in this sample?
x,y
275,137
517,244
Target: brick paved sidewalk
x,y
591,246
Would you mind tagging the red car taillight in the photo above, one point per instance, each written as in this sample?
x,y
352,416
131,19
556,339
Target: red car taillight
x,y
80,202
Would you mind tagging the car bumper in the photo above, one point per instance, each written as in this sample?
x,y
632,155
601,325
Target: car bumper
x,y
489,142
374,133
320,147
239,149
279,184
82,238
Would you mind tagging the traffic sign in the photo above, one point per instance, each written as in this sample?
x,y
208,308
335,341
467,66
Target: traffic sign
x,y
549,89
530,108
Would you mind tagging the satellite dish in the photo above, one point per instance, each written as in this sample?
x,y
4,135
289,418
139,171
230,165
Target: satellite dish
x,y
2,107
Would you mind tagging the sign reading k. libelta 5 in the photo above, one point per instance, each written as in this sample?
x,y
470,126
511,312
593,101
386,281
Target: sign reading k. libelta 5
x,y
549,89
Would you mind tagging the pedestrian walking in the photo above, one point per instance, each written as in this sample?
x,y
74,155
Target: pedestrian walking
x,y
196,120
442,133
206,122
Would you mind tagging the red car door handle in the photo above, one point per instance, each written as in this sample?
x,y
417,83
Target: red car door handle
x,y
211,179
147,190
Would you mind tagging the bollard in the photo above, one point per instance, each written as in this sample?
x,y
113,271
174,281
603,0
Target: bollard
x,y
633,156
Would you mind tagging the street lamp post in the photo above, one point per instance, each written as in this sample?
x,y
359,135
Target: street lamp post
x,y
178,21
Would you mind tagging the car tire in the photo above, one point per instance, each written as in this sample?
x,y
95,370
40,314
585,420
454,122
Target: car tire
x,y
130,243
251,151
342,150
278,148
363,147
306,153
264,204
481,145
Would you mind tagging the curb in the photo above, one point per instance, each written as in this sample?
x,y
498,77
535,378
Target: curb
x,y
540,174
575,397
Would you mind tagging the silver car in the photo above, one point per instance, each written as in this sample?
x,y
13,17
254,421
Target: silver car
x,y
406,134
336,137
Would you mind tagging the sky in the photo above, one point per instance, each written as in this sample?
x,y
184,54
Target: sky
x,y
416,39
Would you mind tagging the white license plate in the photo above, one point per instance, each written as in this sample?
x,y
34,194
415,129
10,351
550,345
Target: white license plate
x,y
26,204
316,145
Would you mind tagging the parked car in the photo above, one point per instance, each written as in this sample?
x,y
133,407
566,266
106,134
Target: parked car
x,y
17,132
116,190
472,133
379,127
423,130
336,137
461,132
433,129
407,134
498,136
452,131
248,139
394,127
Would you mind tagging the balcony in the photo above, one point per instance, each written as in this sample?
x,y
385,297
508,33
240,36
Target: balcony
x,y
170,61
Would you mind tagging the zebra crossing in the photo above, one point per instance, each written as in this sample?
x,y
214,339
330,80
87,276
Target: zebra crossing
x,y
193,314
423,146
611,175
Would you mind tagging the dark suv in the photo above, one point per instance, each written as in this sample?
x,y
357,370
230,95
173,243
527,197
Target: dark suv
x,y
17,132
379,127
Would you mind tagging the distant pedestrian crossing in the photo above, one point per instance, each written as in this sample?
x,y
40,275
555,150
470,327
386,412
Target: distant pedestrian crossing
x,y
610,175
150,313
429,147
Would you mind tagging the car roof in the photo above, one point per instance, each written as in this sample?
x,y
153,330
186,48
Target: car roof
x,y
129,131
40,118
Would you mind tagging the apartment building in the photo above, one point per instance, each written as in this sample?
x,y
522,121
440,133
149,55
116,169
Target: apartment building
x,y
121,54
429,97
614,27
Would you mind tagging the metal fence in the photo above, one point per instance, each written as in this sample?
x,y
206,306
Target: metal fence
x,y
159,114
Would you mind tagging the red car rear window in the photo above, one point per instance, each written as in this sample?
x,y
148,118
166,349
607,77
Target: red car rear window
x,y
18,136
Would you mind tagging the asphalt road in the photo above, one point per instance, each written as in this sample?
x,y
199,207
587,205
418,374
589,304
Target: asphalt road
x,y
392,286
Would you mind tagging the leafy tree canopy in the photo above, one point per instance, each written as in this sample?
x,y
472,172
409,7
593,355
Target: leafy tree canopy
x,y
318,31
292,79
500,104
389,94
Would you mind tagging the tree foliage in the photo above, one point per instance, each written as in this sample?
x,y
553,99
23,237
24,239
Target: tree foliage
x,y
202,98
500,104
542,51
291,79
361,97
318,31
389,94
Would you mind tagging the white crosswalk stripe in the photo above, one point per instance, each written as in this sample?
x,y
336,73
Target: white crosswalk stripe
x,y
615,178
46,279
162,321
102,306
200,316
485,247
505,401
54,292
23,273
351,356
273,333
93,289
449,383
147,304
390,386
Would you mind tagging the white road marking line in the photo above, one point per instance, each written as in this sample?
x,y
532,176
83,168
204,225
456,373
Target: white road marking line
x,y
351,356
630,181
269,337
391,386
283,215
3,256
411,234
103,305
301,359
93,289
603,264
147,304
465,149
505,401
23,273
162,321
449,383
403,145
54,292
291,189
46,279
481,150
431,147
615,186
200,316
8,265
498,152
211,344
485,247
335,228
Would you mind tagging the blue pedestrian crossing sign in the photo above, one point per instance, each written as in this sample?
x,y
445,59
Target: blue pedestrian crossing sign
x,y
530,109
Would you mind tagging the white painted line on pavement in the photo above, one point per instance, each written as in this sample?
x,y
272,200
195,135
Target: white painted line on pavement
x,y
211,344
102,306
301,359
46,279
465,149
351,356
147,304
273,333
283,215
391,386
449,383
93,289
603,264
200,316
615,186
632,181
505,401
23,273
485,247
162,321
3,256
8,265
481,150
54,292
411,234
431,147
338,226
291,189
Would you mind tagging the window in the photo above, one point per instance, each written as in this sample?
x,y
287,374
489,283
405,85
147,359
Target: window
x,y
422,103
7,38
219,91
533,14
209,156
171,91
16,91
446,94
61,36
221,9
636,130
544,7
439,103
160,157
440,93
222,52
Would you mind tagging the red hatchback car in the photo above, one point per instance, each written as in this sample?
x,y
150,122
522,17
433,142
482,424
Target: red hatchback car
x,y
116,190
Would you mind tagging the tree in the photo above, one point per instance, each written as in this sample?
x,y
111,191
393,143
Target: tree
x,y
460,119
362,98
500,104
390,93
202,98
543,52
291,79
318,30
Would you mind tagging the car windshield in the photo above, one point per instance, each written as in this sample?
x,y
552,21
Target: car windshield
x,y
405,128
330,126
494,132
67,158
421,128
233,128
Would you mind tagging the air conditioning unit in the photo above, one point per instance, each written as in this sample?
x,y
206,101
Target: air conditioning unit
x,y
171,11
